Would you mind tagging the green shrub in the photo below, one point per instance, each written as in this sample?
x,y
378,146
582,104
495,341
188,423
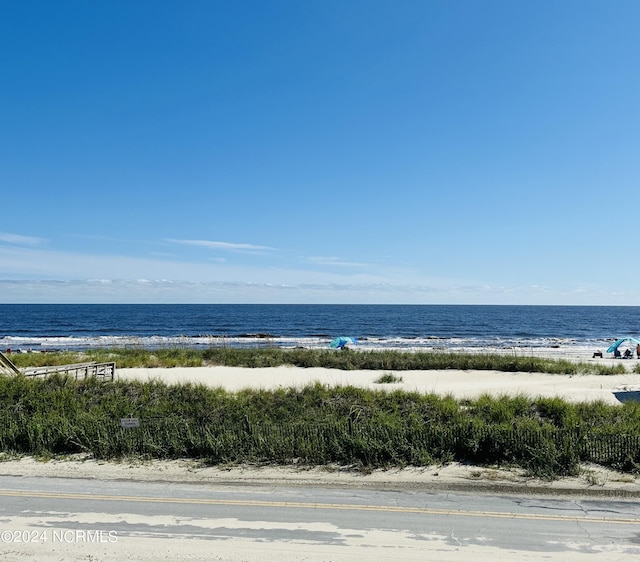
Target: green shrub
x,y
388,378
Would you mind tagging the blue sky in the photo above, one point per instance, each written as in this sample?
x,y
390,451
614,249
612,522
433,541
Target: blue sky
x,y
483,152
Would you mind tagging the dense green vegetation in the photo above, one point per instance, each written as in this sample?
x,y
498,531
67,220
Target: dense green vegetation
x,y
315,425
349,360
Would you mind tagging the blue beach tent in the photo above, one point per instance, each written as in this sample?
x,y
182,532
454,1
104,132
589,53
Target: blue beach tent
x,y
619,342
341,342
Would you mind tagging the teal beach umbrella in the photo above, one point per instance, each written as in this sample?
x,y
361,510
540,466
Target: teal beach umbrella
x,y
619,342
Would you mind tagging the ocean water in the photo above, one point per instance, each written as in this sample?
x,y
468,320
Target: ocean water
x,y
568,330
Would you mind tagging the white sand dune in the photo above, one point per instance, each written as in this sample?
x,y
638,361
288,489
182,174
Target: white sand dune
x,y
460,384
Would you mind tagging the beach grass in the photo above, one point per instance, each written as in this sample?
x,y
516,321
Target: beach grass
x,y
315,425
388,378
332,359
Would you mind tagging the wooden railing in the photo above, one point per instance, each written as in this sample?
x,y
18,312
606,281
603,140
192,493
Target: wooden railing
x,y
104,371
7,366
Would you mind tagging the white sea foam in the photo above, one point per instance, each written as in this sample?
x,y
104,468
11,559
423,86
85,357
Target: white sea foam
x,y
547,347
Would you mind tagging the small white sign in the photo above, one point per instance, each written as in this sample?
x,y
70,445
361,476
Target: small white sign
x,y
128,423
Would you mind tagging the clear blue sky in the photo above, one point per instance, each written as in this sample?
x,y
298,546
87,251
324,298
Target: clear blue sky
x,y
320,151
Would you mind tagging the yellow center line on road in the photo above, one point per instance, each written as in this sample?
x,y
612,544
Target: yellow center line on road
x,y
312,505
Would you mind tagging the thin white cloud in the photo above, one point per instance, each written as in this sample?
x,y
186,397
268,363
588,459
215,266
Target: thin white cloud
x,y
30,274
142,290
232,246
335,261
20,239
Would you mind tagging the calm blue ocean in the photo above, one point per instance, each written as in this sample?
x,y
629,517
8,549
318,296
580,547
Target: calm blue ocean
x,y
410,327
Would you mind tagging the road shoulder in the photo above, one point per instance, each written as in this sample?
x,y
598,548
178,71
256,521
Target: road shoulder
x,y
592,481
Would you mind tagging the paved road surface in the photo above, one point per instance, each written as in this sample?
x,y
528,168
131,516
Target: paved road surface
x,y
81,519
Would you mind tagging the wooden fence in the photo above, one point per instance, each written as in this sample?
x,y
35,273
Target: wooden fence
x,y
102,371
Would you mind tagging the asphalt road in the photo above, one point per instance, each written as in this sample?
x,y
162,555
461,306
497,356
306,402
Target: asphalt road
x,y
82,519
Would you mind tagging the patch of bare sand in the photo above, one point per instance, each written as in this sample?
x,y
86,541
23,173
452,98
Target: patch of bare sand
x,y
460,384
593,480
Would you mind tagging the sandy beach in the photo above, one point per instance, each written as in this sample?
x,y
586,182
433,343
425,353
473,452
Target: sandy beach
x,y
460,384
